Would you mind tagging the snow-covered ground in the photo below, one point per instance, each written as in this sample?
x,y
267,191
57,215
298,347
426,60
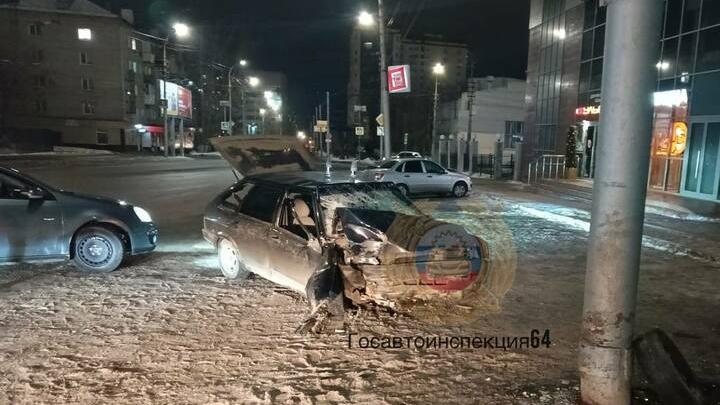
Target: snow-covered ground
x,y
167,328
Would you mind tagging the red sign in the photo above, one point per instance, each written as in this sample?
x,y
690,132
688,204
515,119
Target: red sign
x,y
588,111
399,79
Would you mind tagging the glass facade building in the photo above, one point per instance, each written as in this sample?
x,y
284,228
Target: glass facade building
x,y
685,155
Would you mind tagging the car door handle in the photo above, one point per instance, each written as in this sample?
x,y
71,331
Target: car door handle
x,y
430,176
407,175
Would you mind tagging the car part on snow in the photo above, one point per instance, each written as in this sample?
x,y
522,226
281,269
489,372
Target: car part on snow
x,y
230,260
667,370
324,292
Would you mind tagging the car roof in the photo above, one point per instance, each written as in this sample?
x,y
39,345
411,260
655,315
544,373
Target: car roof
x,y
305,180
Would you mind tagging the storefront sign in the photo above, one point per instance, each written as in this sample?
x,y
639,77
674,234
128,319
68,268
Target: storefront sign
x,y
679,138
671,98
587,111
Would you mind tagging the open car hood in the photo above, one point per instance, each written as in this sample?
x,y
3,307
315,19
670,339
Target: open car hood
x,y
266,154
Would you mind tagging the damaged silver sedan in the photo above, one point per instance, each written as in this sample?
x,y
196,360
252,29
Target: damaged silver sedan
x,y
334,238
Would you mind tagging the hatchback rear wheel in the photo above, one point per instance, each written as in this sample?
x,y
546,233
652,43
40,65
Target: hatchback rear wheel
x,y
231,260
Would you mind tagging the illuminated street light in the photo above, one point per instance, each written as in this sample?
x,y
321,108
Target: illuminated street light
x,y
253,81
263,111
301,135
243,62
438,69
365,19
182,30
662,65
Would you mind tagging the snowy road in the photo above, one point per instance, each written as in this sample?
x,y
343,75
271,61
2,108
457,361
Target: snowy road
x,y
168,328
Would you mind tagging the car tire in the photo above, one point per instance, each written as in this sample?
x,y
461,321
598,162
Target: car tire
x,y
460,189
230,260
97,249
404,190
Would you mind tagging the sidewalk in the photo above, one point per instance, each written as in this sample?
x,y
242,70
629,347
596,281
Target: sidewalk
x,y
658,200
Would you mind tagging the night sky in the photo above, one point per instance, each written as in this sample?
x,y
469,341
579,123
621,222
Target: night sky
x,y
308,40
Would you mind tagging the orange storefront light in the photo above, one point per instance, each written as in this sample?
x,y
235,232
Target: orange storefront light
x,y
679,138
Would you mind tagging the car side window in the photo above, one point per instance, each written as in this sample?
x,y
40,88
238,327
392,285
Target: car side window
x,y
400,167
12,188
433,168
260,203
413,166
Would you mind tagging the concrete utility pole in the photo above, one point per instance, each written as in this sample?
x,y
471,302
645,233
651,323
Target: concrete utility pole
x,y
165,108
384,95
632,39
471,102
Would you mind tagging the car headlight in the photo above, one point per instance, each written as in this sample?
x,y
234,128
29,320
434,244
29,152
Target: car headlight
x,y
142,214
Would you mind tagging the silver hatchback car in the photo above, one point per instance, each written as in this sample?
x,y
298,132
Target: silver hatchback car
x,y
420,176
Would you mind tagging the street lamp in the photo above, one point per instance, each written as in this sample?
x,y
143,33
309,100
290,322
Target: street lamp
x,y
181,30
301,135
243,63
365,19
438,70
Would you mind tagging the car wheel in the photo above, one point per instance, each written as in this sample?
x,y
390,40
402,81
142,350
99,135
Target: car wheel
x,y
98,249
403,189
460,189
231,260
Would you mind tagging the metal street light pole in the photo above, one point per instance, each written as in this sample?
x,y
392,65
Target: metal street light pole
x,y
631,51
438,70
384,95
230,119
165,107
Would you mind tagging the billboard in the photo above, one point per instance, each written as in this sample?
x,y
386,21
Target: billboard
x,y
179,99
399,79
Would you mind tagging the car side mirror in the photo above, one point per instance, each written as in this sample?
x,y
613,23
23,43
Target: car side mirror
x,y
34,194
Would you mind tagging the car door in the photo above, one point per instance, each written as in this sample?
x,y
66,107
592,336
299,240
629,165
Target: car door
x,y
31,225
250,230
437,178
414,176
295,254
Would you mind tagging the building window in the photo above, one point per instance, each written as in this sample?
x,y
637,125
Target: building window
x,y
88,107
133,66
84,58
40,106
38,56
39,81
102,137
133,44
84,34
35,29
87,84
513,132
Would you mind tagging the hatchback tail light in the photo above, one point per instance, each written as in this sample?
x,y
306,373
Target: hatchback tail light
x,y
379,176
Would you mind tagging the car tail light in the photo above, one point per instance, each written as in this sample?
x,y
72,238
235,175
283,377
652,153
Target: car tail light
x,y
379,176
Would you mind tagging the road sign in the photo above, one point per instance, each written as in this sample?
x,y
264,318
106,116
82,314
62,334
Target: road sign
x,y
224,103
399,79
359,131
322,126
380,131
360,108
380,120
225,126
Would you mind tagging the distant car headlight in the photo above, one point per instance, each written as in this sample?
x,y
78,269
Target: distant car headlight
x,y
142,214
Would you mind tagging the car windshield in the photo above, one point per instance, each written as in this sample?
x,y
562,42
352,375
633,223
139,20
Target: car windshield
x,y
388,165
367,196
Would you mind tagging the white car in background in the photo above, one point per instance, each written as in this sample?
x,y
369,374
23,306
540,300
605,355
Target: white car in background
x,y
419,176
406,154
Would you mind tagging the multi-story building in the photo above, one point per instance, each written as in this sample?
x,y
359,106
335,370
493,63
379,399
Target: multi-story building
x,y
67,60
264,109
81,72
411,112
498,112
565,63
